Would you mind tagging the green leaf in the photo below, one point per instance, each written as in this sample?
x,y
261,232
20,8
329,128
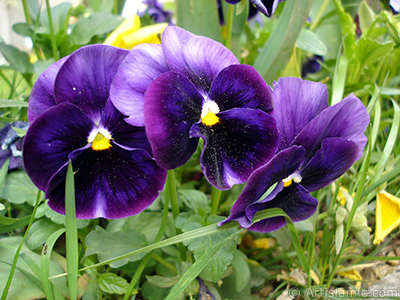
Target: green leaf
x,y
23,287
163,282
148,222
242,270
151,292
196,200
277,49
111,244
18,188
216,268
17,59
59,15
366,16
97,23
60,219
368,51
113,284
199,17
40,232
198,266
310,42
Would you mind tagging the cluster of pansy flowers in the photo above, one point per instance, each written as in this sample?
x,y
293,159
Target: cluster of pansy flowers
x,y
125,117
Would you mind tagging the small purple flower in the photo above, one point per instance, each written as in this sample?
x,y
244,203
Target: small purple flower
x,y
267,7
199,91
11,145
312,65
73,120
317,145
156,11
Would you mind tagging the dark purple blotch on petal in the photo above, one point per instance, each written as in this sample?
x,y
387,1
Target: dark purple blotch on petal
x,y
172,106
243,140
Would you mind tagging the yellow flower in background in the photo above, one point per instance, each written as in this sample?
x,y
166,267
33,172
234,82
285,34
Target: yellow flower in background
x,y
129,34
387,215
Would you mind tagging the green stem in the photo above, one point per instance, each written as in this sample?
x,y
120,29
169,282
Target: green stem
x,y
357,198
229,24
14,265
53,37
115,10
147,257
215,198
172,192
164,262
137,275
26,12
318,18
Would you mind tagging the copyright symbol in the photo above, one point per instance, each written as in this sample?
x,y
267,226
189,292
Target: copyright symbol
x,y
294,292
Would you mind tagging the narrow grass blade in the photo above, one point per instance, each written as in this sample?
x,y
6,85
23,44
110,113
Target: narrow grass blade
x,y
45,263
339,80
3,172
197,267
71,234
12,103
204,231
199,17
279,45
391,141
277,212
15,260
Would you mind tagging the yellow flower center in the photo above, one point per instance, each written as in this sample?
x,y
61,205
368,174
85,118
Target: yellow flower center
x,y
100,140
209,113
210,119
287,183
289,180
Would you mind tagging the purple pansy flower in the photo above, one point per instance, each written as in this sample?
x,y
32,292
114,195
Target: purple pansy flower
x,y
267,7
199,91
156,11
317,145
11,144
73,119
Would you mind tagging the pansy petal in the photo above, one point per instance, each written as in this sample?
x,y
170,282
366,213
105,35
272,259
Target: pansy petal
x,y
330,162
51,138
232,1
348,119
296,102
243,140
198,58
111,184
241,86
282,165
42,94
171,107
124,135
85,82
294,200
141,66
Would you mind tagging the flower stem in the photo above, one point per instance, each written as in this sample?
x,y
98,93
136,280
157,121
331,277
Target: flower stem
x,y
15,260
315,22
147,257
53,37
26,12
229,24
215,198
172,192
